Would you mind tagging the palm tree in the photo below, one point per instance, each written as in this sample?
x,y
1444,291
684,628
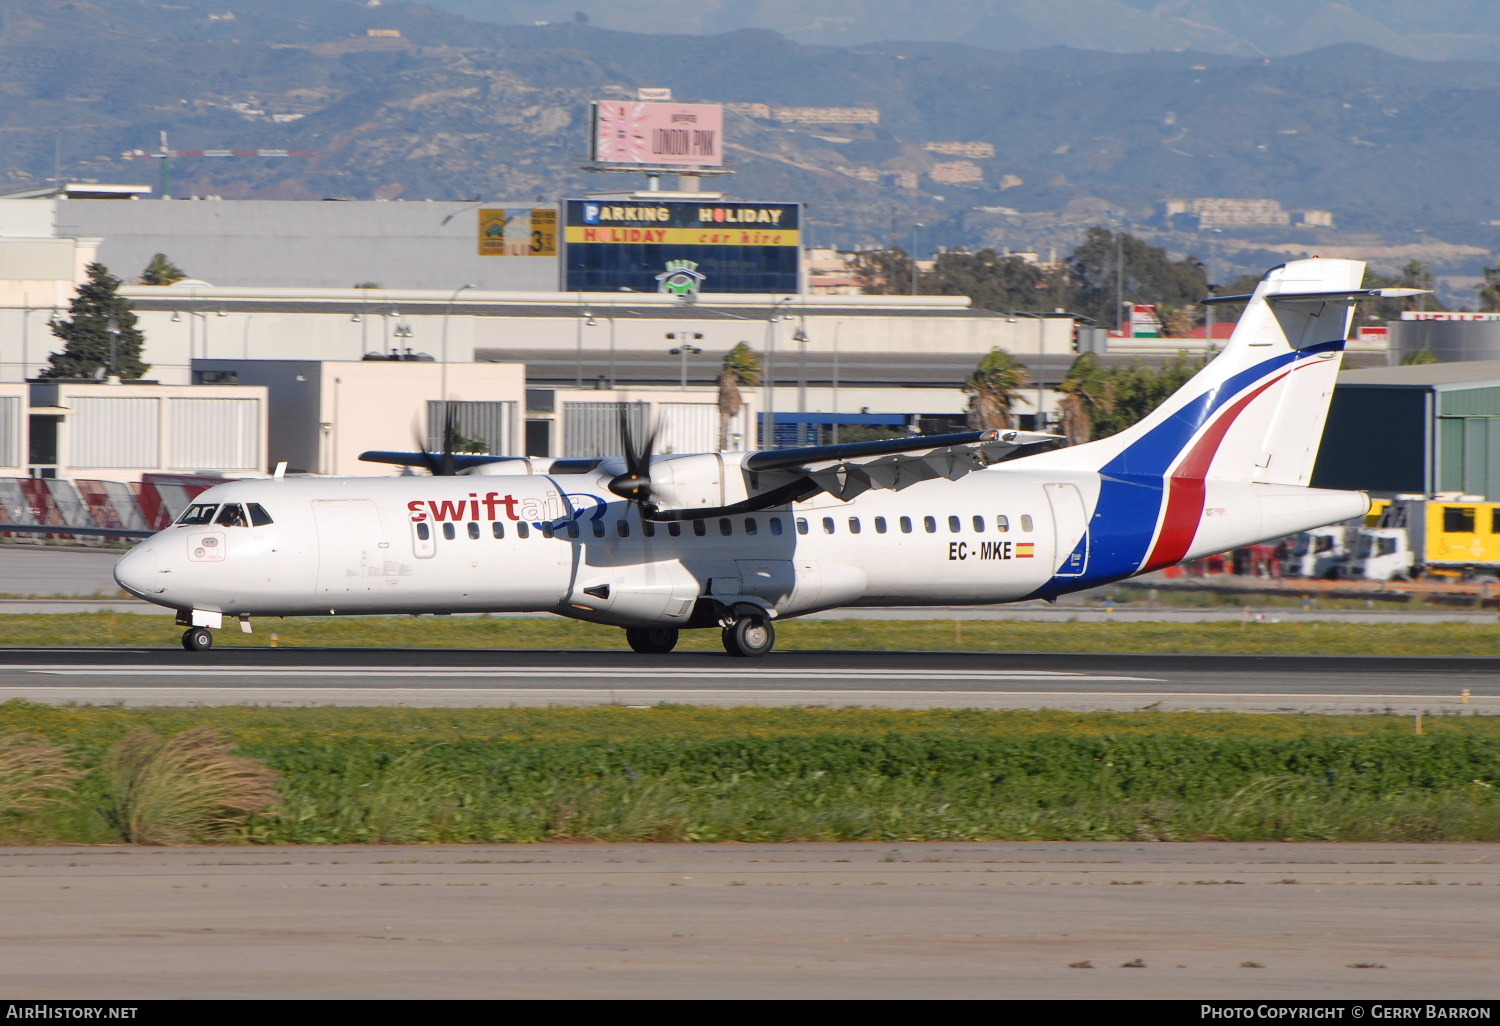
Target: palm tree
x,y
1085,393
993,389
741,367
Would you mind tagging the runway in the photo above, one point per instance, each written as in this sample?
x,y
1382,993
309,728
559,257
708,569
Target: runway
x,y
480,678
892,920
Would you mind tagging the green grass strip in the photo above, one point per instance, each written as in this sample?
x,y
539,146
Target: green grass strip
x,y
110,630
696,774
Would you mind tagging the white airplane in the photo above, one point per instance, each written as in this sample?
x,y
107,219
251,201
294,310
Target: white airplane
x,y
738,541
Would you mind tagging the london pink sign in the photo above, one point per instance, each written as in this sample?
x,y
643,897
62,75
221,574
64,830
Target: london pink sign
x,y
658,133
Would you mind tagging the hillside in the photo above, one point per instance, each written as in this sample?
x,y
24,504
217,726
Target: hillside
x,y
1398,149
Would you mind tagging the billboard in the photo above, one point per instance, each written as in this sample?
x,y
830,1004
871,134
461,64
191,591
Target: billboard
x,y
523,231
681,248
657,134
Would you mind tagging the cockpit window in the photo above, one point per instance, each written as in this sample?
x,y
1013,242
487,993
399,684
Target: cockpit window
x,y
231,515
199,513
258,515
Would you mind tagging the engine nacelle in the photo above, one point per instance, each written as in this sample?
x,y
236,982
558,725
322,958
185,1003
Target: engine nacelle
x,y
698,482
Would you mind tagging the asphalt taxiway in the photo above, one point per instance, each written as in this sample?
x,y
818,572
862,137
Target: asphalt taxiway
x,y
893,920
478,678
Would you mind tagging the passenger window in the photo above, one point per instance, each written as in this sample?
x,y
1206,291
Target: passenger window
x,y
450,532
548,531
979,524
929,524
801,525
854,525
622,528
1456,519
598,529
674,529
1026,523
828,525
776,527
497,529
473,531
726,526
1002,524
1495,521
423,531
700,528
258,515
955,525
199,513
523,529
648,528
880,525
750,526
906,525
231,515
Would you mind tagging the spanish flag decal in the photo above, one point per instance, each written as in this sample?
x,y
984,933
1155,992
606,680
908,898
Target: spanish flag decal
x,y
1025,550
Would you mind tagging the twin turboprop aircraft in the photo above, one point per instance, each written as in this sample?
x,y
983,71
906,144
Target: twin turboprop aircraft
x,y
738,541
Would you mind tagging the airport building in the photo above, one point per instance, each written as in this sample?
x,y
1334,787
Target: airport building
x,y
1422,429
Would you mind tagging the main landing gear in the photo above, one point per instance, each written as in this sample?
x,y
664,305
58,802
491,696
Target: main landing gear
x,y
197,639
749,636
652,640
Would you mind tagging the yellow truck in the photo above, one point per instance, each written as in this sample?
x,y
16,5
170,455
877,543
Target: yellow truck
x,y
1453,536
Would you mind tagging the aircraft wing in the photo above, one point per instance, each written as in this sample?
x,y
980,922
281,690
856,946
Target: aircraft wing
x,y
845,471
461,460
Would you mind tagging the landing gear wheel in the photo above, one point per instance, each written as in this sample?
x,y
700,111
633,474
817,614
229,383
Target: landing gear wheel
x,y
652,640
749,636
197,639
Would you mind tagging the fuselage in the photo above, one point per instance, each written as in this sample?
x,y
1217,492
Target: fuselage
x,y
564,544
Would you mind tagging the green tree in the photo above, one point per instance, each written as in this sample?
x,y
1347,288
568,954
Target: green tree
x,y
161,271
990,280
1106,265
1489,290
87,337
1085,397
884,272
1134,391
993,389
741,367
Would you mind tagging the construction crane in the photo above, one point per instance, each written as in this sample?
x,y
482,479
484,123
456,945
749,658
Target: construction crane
x,y
165,154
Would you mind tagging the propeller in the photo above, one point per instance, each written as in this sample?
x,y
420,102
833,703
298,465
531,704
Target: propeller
x,y
441,464
635,484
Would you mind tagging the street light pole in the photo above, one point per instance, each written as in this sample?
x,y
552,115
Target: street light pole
x,y
800,336
443,374
914,229
683,351
1041,352
768,386
112,327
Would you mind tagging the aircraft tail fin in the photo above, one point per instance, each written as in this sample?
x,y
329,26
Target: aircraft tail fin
x,y
1256,412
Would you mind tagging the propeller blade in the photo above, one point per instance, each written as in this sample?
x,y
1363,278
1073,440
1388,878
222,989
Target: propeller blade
x,y
450,436
635,484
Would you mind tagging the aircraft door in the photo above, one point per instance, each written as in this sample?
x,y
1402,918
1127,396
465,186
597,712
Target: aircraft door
x,y
349,545
1070,525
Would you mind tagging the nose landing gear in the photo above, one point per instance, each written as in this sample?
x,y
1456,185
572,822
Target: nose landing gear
x,y
197,639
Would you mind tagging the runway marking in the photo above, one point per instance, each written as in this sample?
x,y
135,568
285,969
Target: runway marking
x,y
136,689
552,672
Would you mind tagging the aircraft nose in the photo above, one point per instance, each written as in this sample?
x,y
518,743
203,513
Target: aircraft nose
x,y
138,572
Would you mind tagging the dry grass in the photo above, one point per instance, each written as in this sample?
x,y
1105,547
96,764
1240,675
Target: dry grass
x,y
33,772
187,788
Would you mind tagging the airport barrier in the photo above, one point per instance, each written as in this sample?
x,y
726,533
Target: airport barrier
x,y
53,509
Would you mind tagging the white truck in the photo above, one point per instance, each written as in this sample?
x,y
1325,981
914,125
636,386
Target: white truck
x,y
1317,553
